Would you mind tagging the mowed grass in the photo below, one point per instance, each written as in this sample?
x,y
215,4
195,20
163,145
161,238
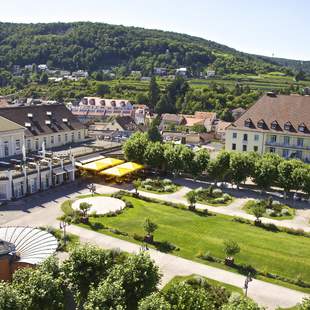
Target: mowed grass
x,y
280,253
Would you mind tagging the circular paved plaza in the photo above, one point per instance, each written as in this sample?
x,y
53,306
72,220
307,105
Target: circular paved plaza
x,y
100,204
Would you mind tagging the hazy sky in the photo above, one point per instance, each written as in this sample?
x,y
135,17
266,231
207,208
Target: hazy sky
x,y
279,27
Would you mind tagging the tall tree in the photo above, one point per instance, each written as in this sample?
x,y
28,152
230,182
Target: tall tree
x,y
134,147
153,94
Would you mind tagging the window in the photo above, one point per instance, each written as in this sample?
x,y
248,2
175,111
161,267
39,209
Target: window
x,y
52,139
261,124
248,123
234,135
72,136
45,140
287,126
79,135
273,138
286,153
6,148
17,145
256,137
272,150
299,154
300,142
244,148
255,148
37,144
233,147
286,140
274,125
245,137
66,137
302,127
59,138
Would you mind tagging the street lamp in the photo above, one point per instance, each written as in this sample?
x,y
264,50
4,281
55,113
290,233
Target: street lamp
x,y
64,222
248,279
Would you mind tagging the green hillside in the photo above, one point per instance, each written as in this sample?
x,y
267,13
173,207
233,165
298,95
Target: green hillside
x,y
94,46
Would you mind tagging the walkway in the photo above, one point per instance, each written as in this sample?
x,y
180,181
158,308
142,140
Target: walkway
x,y
234,209
43,210
264,293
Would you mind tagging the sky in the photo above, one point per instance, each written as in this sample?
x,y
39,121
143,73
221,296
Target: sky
x,y
275,27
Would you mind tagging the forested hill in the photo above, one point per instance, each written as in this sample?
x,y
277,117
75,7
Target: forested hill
x,y
94,46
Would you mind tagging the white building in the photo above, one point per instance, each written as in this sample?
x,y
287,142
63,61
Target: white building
x,y
95,107
11,138
181,72
54,125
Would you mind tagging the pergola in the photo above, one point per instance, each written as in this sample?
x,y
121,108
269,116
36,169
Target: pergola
x,y
101,164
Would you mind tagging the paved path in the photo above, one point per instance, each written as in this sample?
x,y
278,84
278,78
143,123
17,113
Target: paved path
x,y
234,209
264,293
43,209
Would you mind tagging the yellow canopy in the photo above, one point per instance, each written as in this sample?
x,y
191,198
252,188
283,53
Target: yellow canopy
x,y
101,164
122,170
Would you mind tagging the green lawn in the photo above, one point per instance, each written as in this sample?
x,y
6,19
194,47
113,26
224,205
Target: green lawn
x,y
178,279
280,253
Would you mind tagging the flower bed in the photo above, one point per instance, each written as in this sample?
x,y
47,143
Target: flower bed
x,y
159,186
212,196
273,209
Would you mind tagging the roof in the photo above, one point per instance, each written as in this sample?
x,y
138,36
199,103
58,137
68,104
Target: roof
x,y
7,125
172,118
46,119
281,109
107,103
32,245
127,123
122,170
221,126
101,164
199,118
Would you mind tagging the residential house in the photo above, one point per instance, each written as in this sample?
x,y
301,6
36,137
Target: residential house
x,y
54,125
210,73
275,123
80,74
168,120
93,108
160,71
220,130
181,72
201,118
119,126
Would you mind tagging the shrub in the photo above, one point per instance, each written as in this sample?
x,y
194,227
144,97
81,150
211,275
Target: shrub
x,y
167,182
217,193
129,204
169,188
138,237
219,200
227,197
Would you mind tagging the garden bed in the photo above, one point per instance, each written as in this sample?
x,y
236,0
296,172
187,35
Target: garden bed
x,y
192,233
273,209
212,196
159,186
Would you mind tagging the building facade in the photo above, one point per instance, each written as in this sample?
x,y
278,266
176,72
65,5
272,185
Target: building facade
x,y
275,123
54,125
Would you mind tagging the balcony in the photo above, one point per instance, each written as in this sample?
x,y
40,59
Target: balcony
x,y
287,146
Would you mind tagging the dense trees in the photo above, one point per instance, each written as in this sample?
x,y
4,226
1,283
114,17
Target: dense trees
x,y
94,46
266,170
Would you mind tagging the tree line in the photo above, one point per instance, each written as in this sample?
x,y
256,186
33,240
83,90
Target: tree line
x,y
265,170
92,278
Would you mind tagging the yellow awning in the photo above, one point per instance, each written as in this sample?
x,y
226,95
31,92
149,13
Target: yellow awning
x,y
122,170
101,164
